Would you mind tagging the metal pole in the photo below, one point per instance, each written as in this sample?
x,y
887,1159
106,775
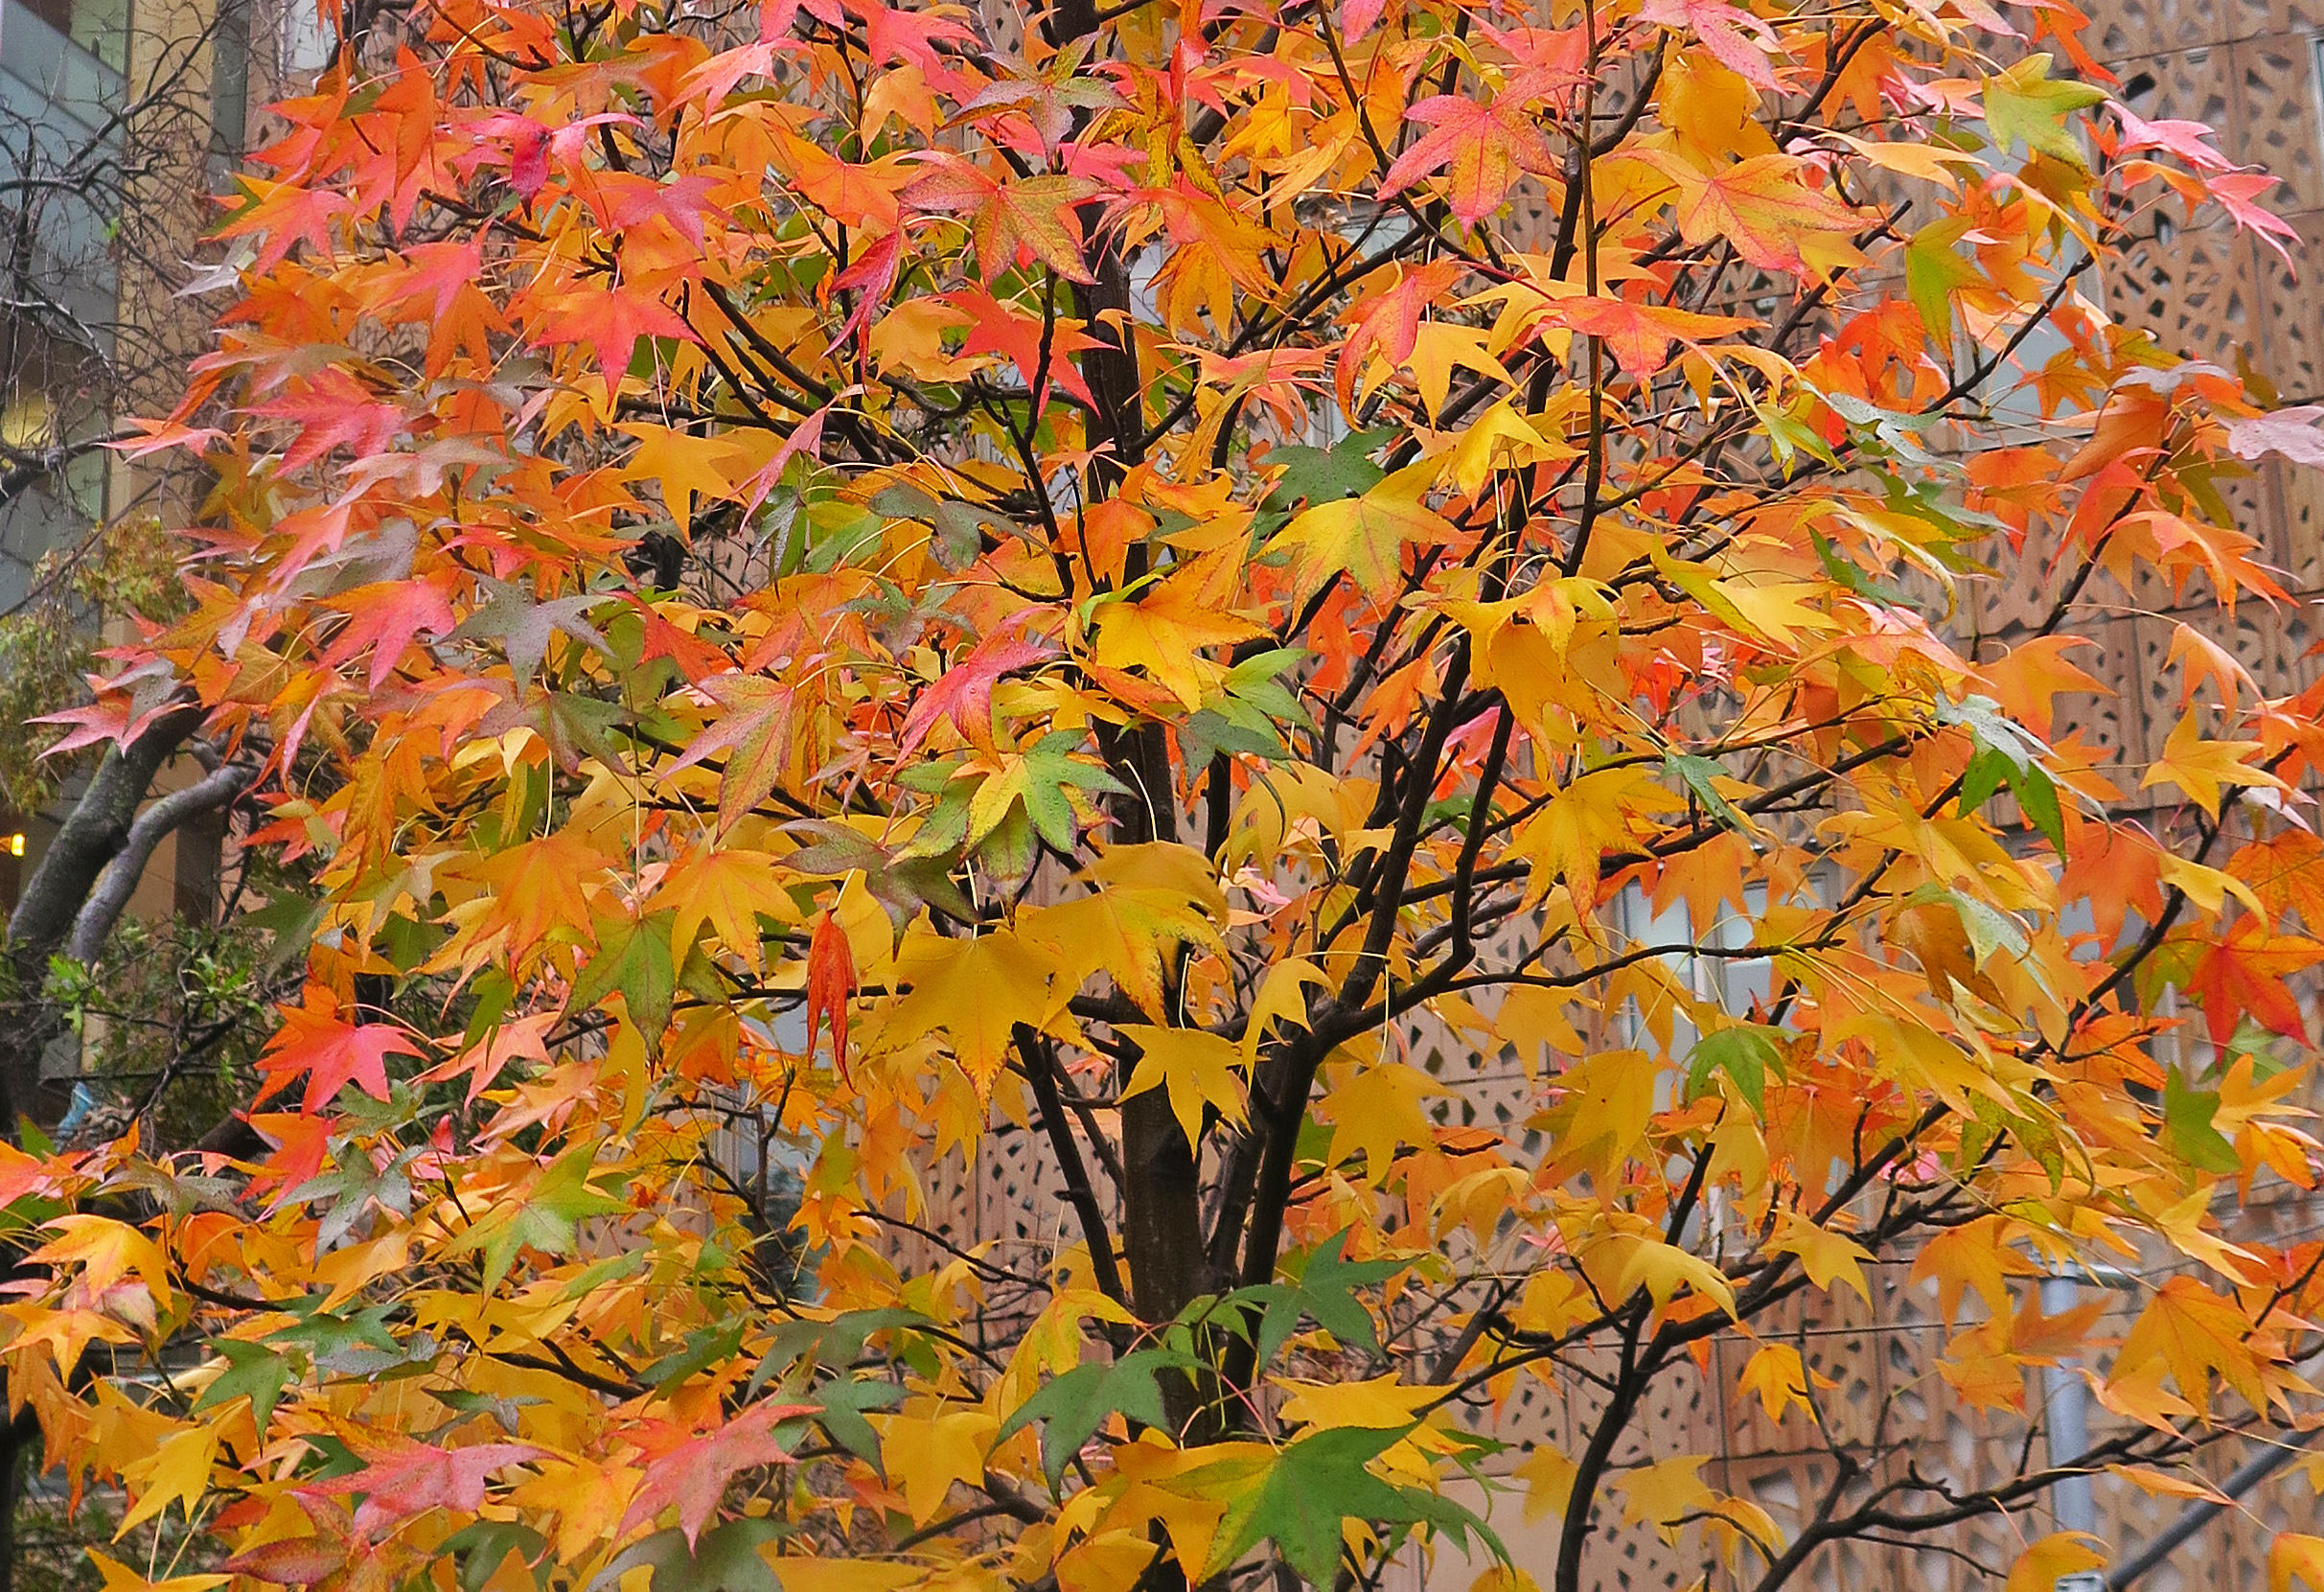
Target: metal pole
x,y
2065,1399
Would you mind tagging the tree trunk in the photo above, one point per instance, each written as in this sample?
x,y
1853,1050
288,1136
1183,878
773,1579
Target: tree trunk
x,y
21,1433
98,830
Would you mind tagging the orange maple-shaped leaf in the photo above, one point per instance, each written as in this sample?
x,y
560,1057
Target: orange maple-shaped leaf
x,y
330,1052
2195,1332
1763,205
2248,974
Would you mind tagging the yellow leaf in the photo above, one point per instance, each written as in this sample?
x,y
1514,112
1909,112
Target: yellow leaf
x,y
1504,1578
2139,1396
1972,1256
1382,1401
845,1575
2208,888
973,991
119,1578
1633,1255
2060,1553
729,890
2290,1555
685,465
1376,1111
1279,999
1663,1493
1109,1561
107,1251
1499,435
2201,767
1777,609
1826,1256
1365,535
1122,929
1198,1069
1602,1118
1775,1372
1437,348
928,1454
1588,817
2162,1484
178,1470
1165,634
1549,1482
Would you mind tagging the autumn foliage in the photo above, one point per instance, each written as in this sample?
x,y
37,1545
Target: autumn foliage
x,y
823,583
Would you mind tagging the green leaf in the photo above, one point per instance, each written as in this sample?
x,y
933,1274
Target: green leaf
x,y
1983,718
2187,1119
1746,1054
1935,267
544,1220
575,726
291,920
709,1346
2037,794
1788,435
494,991
834,1343
1314,1486
1302,1506
1074,1405
1696,773
483,1546
1321,474
845,1400
253,1372
632,957
332,1340
2023,105
408,942
1324,1288
523,627
726,1559
1846,572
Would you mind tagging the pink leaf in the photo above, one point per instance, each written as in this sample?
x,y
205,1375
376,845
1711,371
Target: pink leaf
x,y
2292,432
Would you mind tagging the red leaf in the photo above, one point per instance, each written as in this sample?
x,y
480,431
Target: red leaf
x,y
1391,326
411,1478
385,617
1640,335
831,978
692,1474
611,321
1723,29
1029,216
315,1041
2248,974
1484,146
332,409
997,327
2183,139
2238,193
964,692
299,1145
290,1561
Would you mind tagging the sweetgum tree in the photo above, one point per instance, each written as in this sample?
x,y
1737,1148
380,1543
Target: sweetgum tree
x,y
825,582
